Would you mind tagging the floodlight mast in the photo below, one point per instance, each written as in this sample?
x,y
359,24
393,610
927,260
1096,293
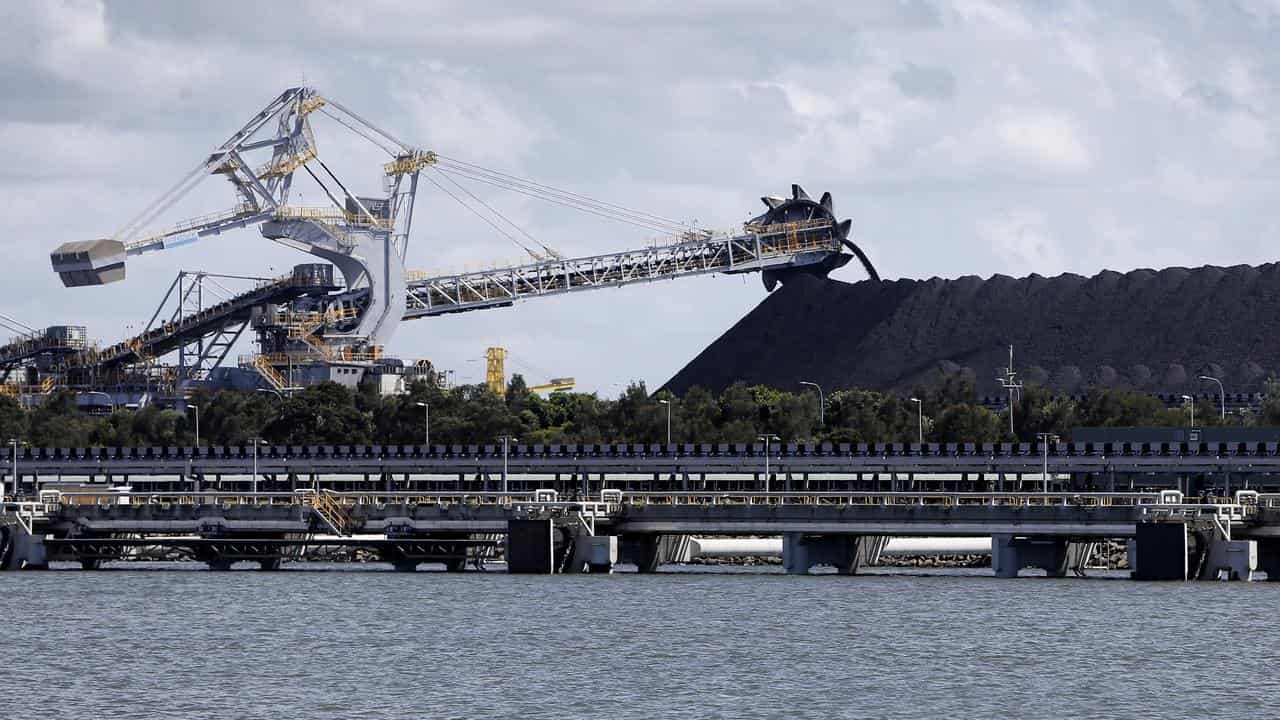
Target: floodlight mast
x,y
1008,380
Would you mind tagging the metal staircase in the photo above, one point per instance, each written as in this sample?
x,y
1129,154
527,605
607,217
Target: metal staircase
x,y
331,512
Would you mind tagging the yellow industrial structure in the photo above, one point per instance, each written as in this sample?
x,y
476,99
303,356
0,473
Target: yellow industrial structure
x,y
495,375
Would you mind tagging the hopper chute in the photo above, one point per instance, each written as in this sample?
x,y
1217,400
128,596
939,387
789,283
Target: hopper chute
x,y
89,262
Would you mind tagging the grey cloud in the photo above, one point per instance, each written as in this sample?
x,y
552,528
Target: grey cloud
x,y
684,110
929,83
1212,97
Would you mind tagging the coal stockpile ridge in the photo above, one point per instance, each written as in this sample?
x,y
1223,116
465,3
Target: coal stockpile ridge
x,y
1148,330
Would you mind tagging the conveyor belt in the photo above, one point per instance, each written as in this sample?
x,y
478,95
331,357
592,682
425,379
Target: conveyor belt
x,y
170,336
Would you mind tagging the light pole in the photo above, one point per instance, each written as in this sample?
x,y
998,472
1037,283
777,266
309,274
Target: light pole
x,y
1192,402
1222,393
13,443
506,449
256,442
767,440
668,404
822,404
195,407
1008,380
1045,439
426,413
919,420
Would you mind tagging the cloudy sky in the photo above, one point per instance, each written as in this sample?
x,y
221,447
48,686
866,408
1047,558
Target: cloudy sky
x,y
962,138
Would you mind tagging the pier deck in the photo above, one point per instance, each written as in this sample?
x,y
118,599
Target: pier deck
x,y
587,469
410,528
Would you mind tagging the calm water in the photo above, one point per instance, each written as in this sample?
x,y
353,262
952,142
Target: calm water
x,y
351,641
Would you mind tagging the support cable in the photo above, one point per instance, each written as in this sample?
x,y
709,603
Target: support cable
x,y
325,188
571,202
348,194
567,194
15,325
480,215
502,217
164,202
367,124
357,130
608,216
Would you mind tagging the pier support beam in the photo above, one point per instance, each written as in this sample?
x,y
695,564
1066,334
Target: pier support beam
x,y
1010,554
531,546
1269,558
1159,551
1232,559
20,550
846,553
593,553
649,552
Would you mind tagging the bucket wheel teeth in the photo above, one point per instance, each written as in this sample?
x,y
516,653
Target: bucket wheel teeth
x,y
800,207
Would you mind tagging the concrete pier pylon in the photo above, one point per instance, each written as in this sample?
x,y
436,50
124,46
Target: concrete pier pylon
x,y
592,553
649,552
846,553
1010,554
1229,560
1269,558
531,546
19,549
1160,551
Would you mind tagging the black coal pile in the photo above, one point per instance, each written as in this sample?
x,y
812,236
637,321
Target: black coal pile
x,y
1154,331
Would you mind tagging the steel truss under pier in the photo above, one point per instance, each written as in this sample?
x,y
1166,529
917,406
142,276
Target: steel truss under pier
x,y
1170,538
268,552
586,469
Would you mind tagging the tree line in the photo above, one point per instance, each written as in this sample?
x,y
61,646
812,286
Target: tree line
x,y
332,414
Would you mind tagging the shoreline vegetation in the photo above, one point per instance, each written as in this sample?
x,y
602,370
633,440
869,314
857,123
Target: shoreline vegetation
x,y
330,414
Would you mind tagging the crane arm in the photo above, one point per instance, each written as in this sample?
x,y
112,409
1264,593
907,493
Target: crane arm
x,y
759,248
261,190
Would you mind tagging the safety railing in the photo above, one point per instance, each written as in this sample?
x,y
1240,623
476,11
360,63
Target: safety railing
x,y
301,497
26,512
330,215
44,387
331,511
614,498
892,499
240,210
335,354
764,230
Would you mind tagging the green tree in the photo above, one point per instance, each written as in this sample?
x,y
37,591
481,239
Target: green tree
x,y
966,423
854,416
1037,410
695,417
13,419
1269,411
231,417
57,422
1123,408
323,414
740,417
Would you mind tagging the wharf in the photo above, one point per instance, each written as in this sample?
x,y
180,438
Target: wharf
x,y
588,469
1170,538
